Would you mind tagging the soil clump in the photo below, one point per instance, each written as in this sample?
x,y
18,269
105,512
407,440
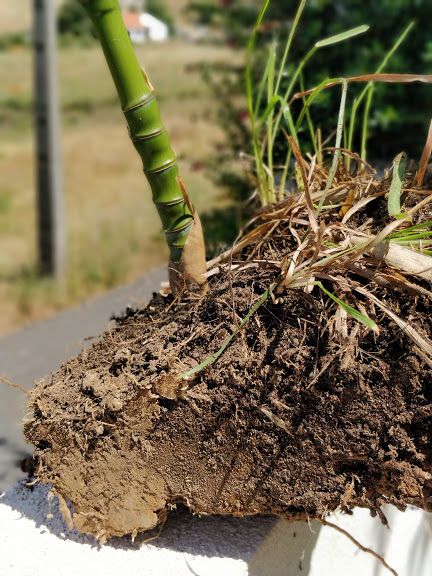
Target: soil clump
x,y
307,411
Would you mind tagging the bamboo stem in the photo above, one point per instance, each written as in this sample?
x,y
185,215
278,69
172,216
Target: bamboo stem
x,y
151,141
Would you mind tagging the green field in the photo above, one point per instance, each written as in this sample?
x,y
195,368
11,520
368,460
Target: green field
x,y
114,234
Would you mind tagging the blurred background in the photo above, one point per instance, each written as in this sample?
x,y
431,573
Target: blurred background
x,y
113,233
194,54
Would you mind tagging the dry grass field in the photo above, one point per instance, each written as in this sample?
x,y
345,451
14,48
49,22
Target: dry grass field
x,y
15,15
113,231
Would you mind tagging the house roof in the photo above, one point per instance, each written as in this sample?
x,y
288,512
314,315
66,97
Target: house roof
x,y
132,20
143,21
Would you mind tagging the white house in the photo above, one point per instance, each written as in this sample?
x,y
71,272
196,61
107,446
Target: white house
x,y
143,27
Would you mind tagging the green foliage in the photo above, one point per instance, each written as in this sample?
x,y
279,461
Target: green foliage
x,y
5,202
399,113
13,40
386,116
159,9
394,197
73,22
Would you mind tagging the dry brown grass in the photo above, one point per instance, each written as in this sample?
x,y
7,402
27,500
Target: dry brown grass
x,y
332,236
15,15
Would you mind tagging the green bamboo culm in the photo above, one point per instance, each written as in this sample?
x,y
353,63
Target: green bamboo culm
x,y
147,132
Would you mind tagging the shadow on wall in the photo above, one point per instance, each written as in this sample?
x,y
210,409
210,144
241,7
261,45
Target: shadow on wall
x,y
286,550
210,546
266,546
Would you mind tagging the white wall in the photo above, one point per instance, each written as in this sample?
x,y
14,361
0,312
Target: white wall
x,y
156,29
34,542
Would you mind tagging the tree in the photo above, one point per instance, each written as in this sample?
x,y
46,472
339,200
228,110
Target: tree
x,y
159,9
73,21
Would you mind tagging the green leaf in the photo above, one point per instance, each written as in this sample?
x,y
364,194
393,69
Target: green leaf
x,y
261,14
290,38
338,143
413,237
271,71
213,357
262,85
342,36
421,226
268,110
399,167
290,122
353,312
369,90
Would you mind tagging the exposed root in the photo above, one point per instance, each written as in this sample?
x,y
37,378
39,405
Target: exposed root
x,y
359,545
13,385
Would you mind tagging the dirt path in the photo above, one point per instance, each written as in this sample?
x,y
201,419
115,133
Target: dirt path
x,y
39,349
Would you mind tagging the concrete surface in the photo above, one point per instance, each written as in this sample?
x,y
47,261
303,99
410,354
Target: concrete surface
x,y
33,352
188,545
34,542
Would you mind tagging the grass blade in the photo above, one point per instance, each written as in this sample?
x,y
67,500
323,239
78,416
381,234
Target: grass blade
x,y
261,174
337,153
262,85
386,78
301,165
368,90
213,357
289,42
399,167
414,236
268,110
270,98
297,74
353,312
311,97
290,122
342,36
421,226
311,127
365,123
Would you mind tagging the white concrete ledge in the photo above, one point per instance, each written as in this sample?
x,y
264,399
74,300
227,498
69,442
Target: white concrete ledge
x,y
34,542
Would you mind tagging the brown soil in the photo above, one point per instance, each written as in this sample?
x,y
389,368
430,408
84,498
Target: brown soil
x,y
295,419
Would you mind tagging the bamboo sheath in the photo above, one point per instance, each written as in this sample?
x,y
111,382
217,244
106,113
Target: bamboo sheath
x,y
399,257
147,132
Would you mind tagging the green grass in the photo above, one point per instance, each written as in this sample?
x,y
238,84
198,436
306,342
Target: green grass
x,y
276,118
272,120
269,104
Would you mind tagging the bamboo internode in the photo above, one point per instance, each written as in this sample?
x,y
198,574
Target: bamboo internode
x,y
150,139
